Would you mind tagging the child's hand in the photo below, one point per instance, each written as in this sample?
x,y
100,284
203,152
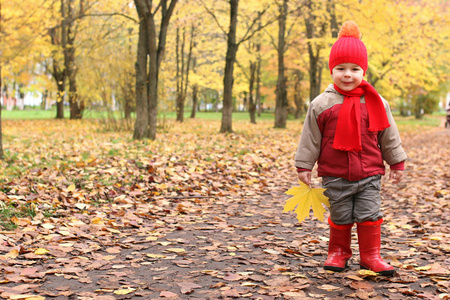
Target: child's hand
x,y
396,176
305,177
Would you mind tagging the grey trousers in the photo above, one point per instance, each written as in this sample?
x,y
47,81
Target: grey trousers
x,y
353,201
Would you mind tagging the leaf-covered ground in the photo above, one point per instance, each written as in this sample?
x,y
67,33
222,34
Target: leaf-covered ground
x,y
198,215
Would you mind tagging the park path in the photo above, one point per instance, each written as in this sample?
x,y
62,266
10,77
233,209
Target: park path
x,y
241,247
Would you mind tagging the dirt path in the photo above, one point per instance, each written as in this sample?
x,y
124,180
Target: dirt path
x,y
241,247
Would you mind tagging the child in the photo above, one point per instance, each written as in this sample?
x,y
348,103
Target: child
x,y
349,130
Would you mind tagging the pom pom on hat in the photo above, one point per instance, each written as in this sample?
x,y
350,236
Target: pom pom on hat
x,y
350,29
348,48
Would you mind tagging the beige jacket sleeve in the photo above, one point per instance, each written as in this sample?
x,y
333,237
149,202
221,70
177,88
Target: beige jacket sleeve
x,y
390,142
308,149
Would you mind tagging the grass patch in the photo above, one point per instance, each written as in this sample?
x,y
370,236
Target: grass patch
x,y
411,123
38,114
9,211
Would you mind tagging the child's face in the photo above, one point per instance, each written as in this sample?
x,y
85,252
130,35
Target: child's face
x,y
347,76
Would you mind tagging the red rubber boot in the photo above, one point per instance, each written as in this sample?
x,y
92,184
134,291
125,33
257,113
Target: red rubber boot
x,y
369,239
339,251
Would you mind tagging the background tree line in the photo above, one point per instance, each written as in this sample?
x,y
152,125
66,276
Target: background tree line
x,y
145,56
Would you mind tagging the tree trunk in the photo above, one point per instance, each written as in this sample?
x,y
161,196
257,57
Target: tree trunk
x,y
141,124
127,88
251,103
258,80
216,101
228,79
61,86
333,20
155,48
297,95
281,103
194,91
76,106
179,75
128,94
58,37
194,101
418,106
128,109
183,73
314,53
153,78
44,99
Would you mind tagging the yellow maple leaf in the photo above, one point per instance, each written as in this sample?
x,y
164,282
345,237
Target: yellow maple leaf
x,y
305,197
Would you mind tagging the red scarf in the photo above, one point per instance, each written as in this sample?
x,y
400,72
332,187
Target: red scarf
x,y
348,128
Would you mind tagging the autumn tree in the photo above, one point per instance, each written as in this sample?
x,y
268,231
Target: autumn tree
x,y
230,58
316,24
106,60
183,66
23,49
281,103
194,93
233,43
63,38
298,76
24,46
249,72
151,47
58,36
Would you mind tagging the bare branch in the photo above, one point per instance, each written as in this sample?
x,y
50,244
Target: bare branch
x,y
272,39
255,20
105,15
242,69
248,35
211,13
157,8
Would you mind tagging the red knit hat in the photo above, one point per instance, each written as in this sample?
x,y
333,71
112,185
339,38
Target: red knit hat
x,y
348,48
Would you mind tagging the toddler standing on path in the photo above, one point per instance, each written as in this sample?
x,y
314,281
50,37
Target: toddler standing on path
x,y
349,131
